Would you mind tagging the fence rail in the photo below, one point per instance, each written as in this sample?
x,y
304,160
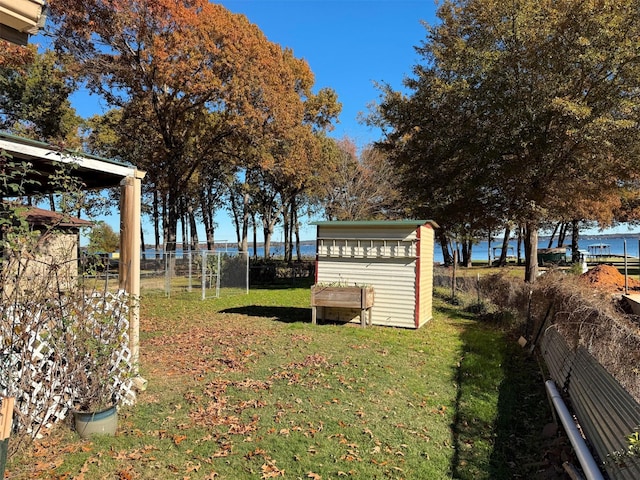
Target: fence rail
x,y
605,411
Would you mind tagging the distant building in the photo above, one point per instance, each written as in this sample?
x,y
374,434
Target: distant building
x,y
53,264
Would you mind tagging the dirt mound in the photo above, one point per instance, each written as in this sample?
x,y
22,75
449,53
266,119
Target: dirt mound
x,y
609,278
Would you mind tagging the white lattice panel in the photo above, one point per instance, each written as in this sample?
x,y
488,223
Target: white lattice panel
x,y
32,367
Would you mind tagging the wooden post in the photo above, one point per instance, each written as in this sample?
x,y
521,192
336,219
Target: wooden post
x,y
129,270
6,417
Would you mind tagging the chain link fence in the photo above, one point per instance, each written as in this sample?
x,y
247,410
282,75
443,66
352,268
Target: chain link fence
x,y
209,273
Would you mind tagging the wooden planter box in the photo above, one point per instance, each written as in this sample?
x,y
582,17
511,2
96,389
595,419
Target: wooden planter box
x,y
343,297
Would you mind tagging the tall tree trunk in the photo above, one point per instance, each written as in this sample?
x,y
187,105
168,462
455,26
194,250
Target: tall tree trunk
x,y
206,206
562,236
296,227
467,250
267,231
255,236
193,226
286,226
156,222
292,226
241,216
142,245
444,245
519,245
235,213
531,251
183,227
575,234
171,225
207,220
505,246
555,230
246,215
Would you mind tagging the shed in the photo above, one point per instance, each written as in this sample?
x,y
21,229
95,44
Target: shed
x,y
58,244
395,257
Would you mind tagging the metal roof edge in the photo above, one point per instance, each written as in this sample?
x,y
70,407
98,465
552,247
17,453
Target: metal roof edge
x,y
375,223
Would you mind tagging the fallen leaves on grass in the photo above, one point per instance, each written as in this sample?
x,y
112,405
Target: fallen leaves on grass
x,y
201,351
269,470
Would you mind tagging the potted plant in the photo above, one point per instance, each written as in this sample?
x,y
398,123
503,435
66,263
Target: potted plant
x,y
97,360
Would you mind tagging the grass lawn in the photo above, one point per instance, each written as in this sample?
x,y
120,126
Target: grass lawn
x,y
244,387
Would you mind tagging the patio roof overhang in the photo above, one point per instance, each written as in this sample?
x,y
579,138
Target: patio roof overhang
x,y
94,172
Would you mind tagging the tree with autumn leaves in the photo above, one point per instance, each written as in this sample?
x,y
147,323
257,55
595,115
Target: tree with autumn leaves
x,y
359,186
205,95
520,112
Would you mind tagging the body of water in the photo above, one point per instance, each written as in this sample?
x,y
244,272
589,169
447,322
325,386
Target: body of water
x,y
605,244
615,246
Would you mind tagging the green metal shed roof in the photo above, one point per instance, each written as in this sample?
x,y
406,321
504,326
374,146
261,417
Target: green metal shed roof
x,y
374,223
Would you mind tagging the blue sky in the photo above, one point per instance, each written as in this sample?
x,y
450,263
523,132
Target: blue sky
x,y
349,45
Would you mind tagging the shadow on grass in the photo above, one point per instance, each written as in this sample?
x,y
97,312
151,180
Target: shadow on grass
x,y
283,314
280,314
501,408
523,411
282,283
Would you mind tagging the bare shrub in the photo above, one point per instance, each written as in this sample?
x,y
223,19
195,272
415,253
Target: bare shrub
x,y
60,350
582,314
59,339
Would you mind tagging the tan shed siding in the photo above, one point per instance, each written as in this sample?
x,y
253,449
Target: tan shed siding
x,y
426,274
393,281
57,254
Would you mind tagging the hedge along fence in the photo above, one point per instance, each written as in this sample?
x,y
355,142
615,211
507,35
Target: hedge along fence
x,y
583,315
39,342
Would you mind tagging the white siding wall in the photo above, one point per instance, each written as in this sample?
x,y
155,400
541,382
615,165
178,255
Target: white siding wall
x,y
385,257
393,282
